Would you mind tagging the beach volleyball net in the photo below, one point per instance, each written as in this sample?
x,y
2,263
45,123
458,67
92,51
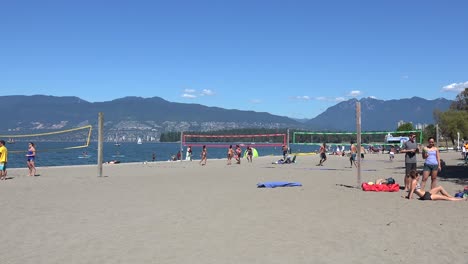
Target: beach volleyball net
x,y
378,138
60,140
224,141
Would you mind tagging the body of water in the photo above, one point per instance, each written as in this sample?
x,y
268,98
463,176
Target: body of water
x,y
54,153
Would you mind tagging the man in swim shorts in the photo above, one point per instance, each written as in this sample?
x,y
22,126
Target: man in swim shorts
x,y
323,155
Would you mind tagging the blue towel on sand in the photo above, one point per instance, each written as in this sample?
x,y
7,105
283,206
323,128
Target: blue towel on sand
x,y
277,184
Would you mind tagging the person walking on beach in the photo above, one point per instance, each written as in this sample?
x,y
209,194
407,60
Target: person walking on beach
x,y
31,156
238,154
249,154
352,158
230,154
323,154
391,154
432,164
436,193
3,160
465,152
410,148
204,155
153,157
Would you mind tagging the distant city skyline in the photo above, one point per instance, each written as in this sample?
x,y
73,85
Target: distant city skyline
x,y
292,59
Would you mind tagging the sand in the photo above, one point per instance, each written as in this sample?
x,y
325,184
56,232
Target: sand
x,y
181,212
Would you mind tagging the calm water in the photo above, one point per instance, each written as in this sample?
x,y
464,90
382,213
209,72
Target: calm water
x,y
53,153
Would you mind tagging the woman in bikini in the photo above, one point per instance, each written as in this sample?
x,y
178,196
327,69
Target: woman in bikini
x,y
230,154
437,193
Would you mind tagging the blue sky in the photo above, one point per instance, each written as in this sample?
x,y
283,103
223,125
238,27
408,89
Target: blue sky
x,y
290,58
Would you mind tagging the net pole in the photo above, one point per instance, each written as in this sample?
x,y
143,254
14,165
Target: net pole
x,y
287,138
181,146
100,142
358,140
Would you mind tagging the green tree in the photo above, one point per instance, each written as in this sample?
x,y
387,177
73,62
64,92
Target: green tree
x,y
461,101
429,131
451,122
405,127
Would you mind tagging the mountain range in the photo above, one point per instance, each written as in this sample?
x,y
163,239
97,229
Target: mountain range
x,y
156,115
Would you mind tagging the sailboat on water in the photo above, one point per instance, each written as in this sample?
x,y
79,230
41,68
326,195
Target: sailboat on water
x,y
117,144
139,142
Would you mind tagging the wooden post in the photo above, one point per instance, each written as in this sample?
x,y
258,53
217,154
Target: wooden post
x,y
358,140
181,146
100,142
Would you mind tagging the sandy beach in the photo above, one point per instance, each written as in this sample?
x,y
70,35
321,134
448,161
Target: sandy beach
x,y
181,212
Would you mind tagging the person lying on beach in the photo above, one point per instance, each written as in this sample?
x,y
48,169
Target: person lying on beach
x,y
288,160
437,193
385,181
113,162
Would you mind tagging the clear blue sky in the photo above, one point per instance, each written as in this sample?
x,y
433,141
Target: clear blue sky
x,y
290,58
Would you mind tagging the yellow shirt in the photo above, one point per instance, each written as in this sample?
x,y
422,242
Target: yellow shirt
x,y
3,154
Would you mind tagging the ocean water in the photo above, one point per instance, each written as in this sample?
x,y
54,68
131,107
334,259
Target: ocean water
x,y
54,154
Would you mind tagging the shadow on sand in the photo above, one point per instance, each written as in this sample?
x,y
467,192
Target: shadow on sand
x,y
455,174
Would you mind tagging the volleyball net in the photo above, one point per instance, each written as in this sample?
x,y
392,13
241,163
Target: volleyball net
x,y
385,138
73,138
224,141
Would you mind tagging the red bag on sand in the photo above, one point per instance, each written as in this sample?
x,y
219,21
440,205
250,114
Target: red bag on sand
x,y
380,187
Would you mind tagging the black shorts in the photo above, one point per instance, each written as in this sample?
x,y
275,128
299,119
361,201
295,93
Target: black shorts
x,y
323,156
409,167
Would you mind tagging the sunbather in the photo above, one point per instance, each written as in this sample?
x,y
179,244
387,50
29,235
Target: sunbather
x,y
437,193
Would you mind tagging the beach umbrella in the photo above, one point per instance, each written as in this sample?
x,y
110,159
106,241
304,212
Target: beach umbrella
x,y
254,153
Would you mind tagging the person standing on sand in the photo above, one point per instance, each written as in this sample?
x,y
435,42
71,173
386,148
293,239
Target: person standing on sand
x,y
323,154
188,156
238,154
410,148
3,160
204,155
31,156
432,164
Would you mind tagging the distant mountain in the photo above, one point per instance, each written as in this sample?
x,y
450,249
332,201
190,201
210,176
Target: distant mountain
x,y
156,115
133,117
378,115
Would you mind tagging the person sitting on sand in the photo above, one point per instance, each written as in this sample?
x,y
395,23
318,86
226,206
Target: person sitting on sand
x,y
437,193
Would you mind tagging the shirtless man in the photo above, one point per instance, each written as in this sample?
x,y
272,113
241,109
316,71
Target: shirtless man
x,y
352,158
323,155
